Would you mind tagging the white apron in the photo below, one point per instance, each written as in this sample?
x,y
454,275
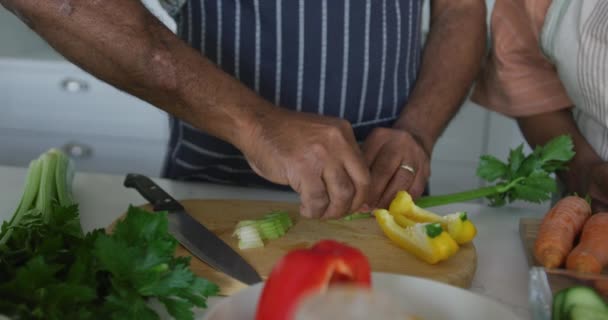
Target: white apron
x,y
575,39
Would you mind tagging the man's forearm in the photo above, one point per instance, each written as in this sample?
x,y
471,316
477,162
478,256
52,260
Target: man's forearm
x,y
539,129
120,42
451,60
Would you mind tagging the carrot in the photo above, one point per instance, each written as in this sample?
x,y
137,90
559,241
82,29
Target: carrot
x,y
591,254
559,228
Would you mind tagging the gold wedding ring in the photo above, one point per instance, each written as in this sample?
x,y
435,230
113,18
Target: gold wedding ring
x,y
408,168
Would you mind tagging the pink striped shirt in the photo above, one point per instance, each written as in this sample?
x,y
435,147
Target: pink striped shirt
x,y
517,79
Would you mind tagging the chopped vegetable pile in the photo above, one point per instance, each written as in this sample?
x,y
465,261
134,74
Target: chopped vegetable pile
x,y
50,269
251,233
526,178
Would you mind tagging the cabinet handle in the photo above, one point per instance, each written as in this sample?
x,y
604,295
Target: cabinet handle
x,y
77,150
74,85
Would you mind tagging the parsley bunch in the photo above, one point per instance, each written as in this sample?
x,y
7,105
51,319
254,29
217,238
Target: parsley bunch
x,y
50,269
522,177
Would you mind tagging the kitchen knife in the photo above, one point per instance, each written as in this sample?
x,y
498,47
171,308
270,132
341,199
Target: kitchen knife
x,y
199,240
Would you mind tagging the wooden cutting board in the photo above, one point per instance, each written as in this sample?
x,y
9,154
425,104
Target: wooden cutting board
x,y
221,217
528,229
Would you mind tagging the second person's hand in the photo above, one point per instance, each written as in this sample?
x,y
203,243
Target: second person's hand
x,y
594,183
317,156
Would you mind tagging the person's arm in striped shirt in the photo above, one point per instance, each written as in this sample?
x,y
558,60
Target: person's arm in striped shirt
x,y
450,62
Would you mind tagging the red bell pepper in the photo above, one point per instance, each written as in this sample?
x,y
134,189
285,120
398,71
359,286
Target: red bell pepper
x,y
307,271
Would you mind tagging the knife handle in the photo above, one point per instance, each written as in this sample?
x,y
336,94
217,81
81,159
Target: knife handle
x,y
160,199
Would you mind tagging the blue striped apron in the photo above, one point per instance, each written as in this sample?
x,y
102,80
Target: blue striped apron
x,y
354,59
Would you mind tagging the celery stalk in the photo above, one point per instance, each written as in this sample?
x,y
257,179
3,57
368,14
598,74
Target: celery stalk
x,y
64,175
47,187
30,191
48,181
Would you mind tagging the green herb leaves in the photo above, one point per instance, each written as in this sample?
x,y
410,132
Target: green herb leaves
x,y
553,156
491,168
49,270
528,177
560,149
139,255
522,177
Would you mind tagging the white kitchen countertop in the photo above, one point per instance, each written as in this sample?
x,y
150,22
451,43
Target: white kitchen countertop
x,y
502,271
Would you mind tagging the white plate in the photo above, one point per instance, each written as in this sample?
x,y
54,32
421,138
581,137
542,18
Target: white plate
x,y
427,299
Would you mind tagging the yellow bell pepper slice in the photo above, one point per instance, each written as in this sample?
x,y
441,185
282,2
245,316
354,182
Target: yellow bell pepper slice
x,y
426,241
403,221
457,224
459,227
403,204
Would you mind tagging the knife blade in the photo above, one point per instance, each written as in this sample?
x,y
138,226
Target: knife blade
x,y
199,240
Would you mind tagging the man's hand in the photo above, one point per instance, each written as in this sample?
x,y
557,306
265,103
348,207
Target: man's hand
x,y
317,156
386,150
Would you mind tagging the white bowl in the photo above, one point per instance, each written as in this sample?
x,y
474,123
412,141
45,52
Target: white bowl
x,y
426,299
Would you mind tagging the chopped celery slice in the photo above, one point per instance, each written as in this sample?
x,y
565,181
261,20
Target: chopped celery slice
x,y
271,226
269,229
282,217
249,237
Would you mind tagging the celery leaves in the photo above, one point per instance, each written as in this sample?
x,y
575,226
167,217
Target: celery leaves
x,y
522,177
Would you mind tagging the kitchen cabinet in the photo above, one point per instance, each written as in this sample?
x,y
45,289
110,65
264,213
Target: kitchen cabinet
x,y
92,153
46,102
57,97
54,104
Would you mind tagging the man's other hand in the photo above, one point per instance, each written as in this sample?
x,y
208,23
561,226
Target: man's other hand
x,y
397,161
